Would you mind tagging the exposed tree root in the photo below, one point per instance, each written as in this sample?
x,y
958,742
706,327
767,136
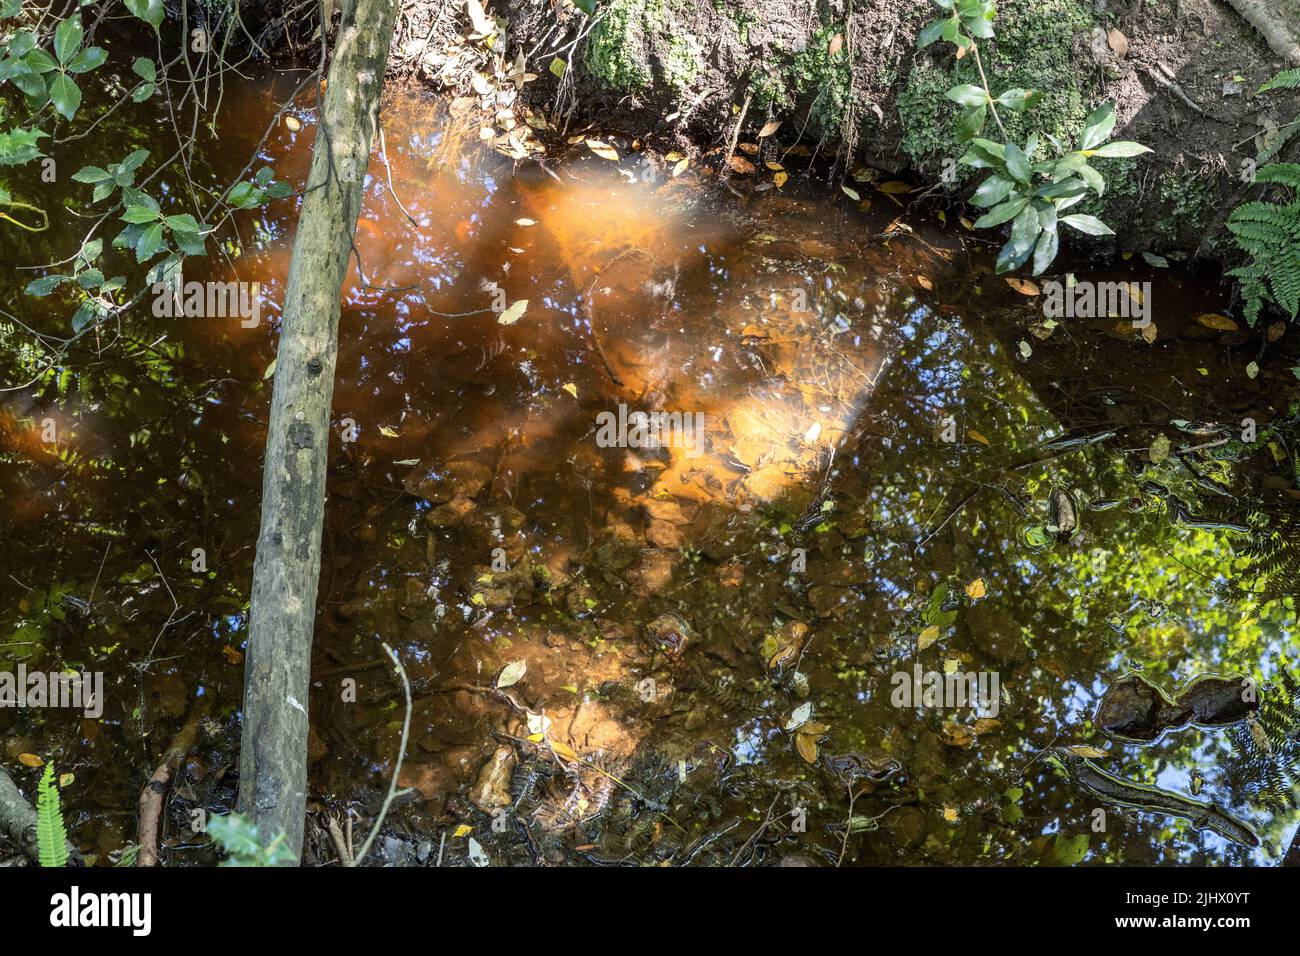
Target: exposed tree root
x,y
1277,21
154,794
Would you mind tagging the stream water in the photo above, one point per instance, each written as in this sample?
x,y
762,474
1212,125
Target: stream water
x,y
856,490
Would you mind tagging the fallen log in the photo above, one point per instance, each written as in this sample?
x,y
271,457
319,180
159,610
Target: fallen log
x,y
273,751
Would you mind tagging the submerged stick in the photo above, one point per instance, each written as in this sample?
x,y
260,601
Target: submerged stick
x,y
155,791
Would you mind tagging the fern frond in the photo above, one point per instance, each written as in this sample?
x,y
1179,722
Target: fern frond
x,y
1286,80
1288,174
51,835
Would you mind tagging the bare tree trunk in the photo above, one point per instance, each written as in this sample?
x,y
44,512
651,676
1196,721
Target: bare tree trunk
x,y
1278,21
273,752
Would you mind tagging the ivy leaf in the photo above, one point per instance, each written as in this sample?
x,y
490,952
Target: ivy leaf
x,y
150,11
65,95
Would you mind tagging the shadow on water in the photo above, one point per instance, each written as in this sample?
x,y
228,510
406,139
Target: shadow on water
x,y
722,631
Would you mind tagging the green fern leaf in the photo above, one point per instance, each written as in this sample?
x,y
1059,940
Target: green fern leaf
x,y
1286,80
51,836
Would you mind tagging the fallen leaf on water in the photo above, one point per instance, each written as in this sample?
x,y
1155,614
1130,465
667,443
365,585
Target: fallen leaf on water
x,y
513,314
749,149
770,127
800,716
956,735
814,430
1149,333
851,193
924,283
775,167
476,854
806,744
1025,349
984,724
927,637
1276,331
976,589
292,123
512,673
461,831
1159,449
233,657
1252,370
680,167
387,431
603,150
1083,750
30,760
1213,320
270,369
571,389
950,814
739,164
976,436
780,179
894,187
1024,286
525,222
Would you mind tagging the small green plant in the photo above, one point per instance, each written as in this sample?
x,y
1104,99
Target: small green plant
x,y
1029,192
1269,233
51,835
1272,144
238,837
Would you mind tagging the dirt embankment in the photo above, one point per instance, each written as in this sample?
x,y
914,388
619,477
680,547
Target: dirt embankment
x,y
844,77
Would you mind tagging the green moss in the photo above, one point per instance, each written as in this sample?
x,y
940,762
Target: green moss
x,y
814,73
1186,198
618,49
683,63
1033,49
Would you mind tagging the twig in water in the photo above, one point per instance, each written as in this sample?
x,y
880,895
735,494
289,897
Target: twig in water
x,y
393,792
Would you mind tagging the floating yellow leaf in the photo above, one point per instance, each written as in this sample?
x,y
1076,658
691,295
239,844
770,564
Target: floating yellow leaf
x,y
603,150
894,187
950,814
463,830
775,167
571,389
233,657
1213,320
739,164
1083,750
924,283
1023,286
387,431
806,744
512,673
976,436
30,760
928,637
512,315
780,179
976,590
292,123
680,167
